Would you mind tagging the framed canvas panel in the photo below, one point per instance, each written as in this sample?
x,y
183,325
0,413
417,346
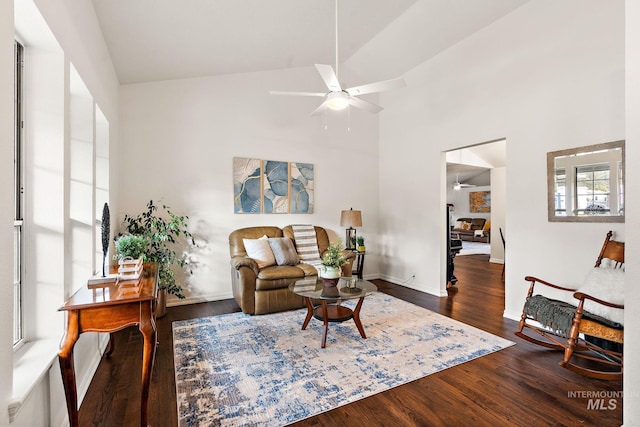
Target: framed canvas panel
x,y
247,189
275,187
301,192
479,201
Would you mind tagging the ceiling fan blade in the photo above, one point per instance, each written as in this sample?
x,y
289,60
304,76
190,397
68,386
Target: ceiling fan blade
x,y
365,105
378,86
276,92
320,109
329,77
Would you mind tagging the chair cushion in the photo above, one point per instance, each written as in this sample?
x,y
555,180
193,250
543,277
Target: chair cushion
x,y
260,251
606,284
283,251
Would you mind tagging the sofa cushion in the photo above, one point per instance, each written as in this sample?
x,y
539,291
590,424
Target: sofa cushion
x,y
466,225
278,272
477,223
308,269
283,251
260,251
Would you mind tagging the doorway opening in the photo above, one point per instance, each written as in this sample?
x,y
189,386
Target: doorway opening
x,y
475,208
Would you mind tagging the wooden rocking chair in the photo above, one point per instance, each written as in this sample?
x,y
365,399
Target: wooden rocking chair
x,y
580,334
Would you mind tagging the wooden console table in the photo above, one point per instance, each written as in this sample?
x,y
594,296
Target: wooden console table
x,y
111,309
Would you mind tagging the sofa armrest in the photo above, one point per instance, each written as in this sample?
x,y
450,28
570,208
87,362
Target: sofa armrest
x,y
243,261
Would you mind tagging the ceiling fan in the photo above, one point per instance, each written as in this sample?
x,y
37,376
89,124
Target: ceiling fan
x,y
338,98
458,185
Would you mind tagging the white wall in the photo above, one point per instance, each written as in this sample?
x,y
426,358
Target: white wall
x,y
498,213
556,81
179,138
631,409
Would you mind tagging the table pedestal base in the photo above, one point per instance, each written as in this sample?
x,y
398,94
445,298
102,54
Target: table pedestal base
x,y
333,313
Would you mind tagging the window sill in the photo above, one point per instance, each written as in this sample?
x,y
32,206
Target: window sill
x,y
30,364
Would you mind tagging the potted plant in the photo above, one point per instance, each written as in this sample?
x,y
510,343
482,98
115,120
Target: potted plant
x,y
361,246
164,234
131,246
332,260
130,250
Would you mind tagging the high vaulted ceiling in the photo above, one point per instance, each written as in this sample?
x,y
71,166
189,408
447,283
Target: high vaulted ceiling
x,y
152,40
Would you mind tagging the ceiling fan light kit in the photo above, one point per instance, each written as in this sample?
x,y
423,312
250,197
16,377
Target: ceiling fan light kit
x,y
337,98
337,101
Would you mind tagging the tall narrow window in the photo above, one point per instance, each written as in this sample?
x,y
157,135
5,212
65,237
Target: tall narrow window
x,y
18,218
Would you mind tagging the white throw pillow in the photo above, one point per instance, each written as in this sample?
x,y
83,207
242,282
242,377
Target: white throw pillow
x,y
606,284
260,251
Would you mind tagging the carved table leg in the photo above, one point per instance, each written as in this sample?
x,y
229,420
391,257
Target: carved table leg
x,y
111,346
67,367
148,328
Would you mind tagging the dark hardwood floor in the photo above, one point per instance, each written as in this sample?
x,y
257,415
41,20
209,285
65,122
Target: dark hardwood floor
x,y
521,386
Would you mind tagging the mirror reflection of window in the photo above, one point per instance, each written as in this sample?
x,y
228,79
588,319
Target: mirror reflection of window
x,y
587,183
560,191
593,189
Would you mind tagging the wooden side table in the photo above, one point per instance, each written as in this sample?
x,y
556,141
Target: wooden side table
x,y
110,309
359,264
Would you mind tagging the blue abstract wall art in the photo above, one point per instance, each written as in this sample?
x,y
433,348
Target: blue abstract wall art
x,y
271,186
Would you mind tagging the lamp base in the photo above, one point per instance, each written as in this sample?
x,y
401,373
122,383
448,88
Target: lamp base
x,y
350,242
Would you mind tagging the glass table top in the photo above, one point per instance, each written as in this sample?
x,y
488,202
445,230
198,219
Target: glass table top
x,y
347,288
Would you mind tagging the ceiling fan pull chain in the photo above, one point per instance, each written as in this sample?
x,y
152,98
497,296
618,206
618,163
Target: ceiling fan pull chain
x,y
326,126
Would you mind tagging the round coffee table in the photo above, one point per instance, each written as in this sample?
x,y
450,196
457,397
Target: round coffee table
x,y
330,298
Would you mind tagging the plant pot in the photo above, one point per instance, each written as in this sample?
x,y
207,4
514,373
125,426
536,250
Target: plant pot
x,y
329,272
362,248
330,282
161,303
329,275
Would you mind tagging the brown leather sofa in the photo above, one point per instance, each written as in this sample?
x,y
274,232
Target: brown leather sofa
x,y
266,290
477,231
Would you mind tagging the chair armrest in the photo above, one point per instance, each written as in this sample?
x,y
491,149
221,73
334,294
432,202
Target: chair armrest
x,y
534,280
349,255
243,261
582,296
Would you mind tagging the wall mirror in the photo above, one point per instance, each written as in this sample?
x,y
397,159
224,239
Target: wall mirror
x,y
586,184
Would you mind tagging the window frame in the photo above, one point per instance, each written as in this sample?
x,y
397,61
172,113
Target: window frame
x,y
18,222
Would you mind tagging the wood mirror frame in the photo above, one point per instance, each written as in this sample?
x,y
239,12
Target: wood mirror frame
x,y
617,178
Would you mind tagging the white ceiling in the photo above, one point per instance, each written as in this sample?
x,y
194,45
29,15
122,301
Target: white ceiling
x,y
152,40
470,164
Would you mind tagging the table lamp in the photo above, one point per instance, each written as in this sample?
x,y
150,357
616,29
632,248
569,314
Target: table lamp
x,y
351,219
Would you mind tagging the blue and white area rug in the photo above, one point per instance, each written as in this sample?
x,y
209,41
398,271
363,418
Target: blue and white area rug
x,y
241,370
